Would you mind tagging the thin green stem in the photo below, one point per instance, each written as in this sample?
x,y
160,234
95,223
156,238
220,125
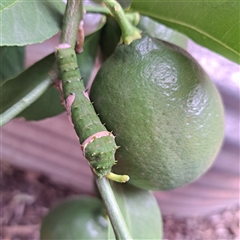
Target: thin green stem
x,y
97,9
129,32
119,226
133,17
71,20
26,101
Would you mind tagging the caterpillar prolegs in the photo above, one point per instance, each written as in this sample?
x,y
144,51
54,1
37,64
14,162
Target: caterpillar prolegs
x,y
98,145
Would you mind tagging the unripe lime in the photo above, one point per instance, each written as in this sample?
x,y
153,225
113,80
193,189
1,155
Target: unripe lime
x,y
77,218
164,110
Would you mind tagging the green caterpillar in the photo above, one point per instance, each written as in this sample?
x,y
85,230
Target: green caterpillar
x,y
98,145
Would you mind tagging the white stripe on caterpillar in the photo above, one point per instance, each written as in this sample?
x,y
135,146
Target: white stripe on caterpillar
x,y
68,104
86,95
94,136
63,46
72,84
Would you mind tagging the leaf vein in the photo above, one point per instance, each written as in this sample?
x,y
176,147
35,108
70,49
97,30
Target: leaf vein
x,y
229,30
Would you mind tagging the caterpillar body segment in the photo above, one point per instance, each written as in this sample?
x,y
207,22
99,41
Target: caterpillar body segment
x,y
101,154
97,143
85,120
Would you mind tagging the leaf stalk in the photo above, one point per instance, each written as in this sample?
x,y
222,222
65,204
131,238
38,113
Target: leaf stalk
x,y
26,101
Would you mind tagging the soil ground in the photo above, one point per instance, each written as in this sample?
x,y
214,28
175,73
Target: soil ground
x,y
26,197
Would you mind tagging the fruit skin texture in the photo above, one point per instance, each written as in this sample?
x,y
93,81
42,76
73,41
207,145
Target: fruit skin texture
x,y
164,110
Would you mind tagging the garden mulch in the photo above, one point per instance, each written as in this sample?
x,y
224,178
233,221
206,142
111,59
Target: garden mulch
x,y
26,198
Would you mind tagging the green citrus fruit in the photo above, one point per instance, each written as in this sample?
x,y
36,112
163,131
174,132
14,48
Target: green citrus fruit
x,y
77,218
164,110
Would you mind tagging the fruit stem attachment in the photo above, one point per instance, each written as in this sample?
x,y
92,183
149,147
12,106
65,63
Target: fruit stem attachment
x,y
129,32
117,178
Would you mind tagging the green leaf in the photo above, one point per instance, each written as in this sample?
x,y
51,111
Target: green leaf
x,y
125,3
19,92
76,218
48,105
162,32
212,24
140,211
11,62
28,22
16,89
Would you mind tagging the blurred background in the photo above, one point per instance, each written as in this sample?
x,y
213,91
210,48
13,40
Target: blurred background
x,y
41,163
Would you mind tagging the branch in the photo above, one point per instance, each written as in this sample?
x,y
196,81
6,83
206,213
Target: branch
x,y
71,20
115,215
97,9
